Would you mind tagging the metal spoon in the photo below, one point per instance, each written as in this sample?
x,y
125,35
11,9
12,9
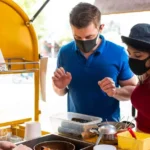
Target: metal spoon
x,y
131,122
100,134
119,121
126,123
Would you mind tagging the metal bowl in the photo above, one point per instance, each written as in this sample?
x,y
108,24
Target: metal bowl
x,y
55,145
120,125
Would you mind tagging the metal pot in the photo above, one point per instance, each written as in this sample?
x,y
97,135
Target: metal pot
x,y
55,145
112,138
105,132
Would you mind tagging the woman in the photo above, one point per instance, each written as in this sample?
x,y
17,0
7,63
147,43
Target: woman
x,y
138,44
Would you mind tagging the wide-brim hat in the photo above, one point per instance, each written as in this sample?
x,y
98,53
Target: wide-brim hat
x,y
139,37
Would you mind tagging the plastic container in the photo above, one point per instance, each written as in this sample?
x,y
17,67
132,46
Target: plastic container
x,y
74,124
32,130
126,141
3,134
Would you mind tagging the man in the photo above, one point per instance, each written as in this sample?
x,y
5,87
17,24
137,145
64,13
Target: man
x,y
86,61
4,145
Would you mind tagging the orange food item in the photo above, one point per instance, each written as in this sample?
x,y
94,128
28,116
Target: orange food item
x,y
45,148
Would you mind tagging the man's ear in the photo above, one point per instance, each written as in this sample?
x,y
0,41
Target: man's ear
x,y
101,27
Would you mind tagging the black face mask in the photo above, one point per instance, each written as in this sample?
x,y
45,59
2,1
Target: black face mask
x,y
86,46
138,66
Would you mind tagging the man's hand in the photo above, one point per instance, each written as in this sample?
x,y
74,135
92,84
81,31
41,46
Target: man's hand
x,y
21,147
61,79
4,145
108,86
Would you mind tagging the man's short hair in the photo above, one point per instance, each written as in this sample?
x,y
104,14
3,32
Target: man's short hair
x,y
83,14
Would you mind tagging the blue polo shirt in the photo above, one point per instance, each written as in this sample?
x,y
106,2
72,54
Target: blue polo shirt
x,y
84,94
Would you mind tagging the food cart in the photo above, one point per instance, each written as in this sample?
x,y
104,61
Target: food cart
x,y
19,46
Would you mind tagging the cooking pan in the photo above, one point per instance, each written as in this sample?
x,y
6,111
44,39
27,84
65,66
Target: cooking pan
x,y
54,145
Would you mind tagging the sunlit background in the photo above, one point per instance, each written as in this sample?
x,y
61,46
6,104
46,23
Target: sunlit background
x,y
53,30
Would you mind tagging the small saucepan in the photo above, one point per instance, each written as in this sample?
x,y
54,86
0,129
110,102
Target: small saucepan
x,y
112,138
54,145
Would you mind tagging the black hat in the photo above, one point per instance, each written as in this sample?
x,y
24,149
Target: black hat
x,y
139,37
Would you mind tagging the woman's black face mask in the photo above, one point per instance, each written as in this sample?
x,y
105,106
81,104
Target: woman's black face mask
x,y
138,66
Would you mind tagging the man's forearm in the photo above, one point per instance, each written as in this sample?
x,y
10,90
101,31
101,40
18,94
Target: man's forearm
x,y
124,93
60,92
